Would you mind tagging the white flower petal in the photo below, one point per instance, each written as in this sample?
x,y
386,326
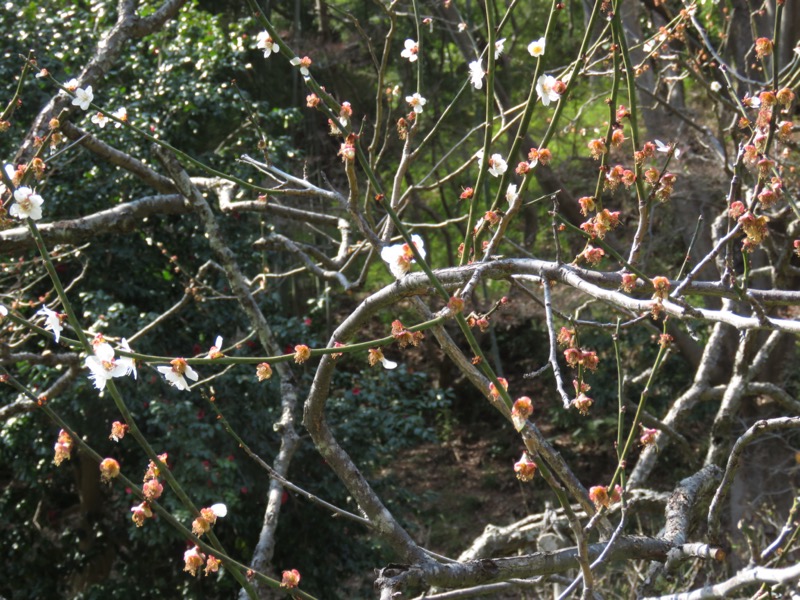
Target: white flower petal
x,y
219,509
511,193
420,245
104,351
98,374
190,373
388,364
128,363
499,47
476,74
173,378
52,322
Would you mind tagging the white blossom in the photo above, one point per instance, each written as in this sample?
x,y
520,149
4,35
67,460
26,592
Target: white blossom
x,y
122,114
410,51
499,47
27,205
545,91
104,366
303,63
536,47
216,350
71,85
511,193
267,44
128,362
662,147
52,322
175,374
476,73
497,166
417,102
3,311
83,97
220,510
100,120
399,257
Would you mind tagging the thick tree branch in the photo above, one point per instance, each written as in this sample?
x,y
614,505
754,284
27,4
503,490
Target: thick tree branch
x,y
123,218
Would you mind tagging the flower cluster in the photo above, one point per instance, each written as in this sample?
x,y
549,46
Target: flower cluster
x,y
151,490
601,223
194,560
153,470
567,337
619,174
580,359
499,47
347,151
481,322
405,337
207,518
755,228
599,494
617,137
584,358
591,254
